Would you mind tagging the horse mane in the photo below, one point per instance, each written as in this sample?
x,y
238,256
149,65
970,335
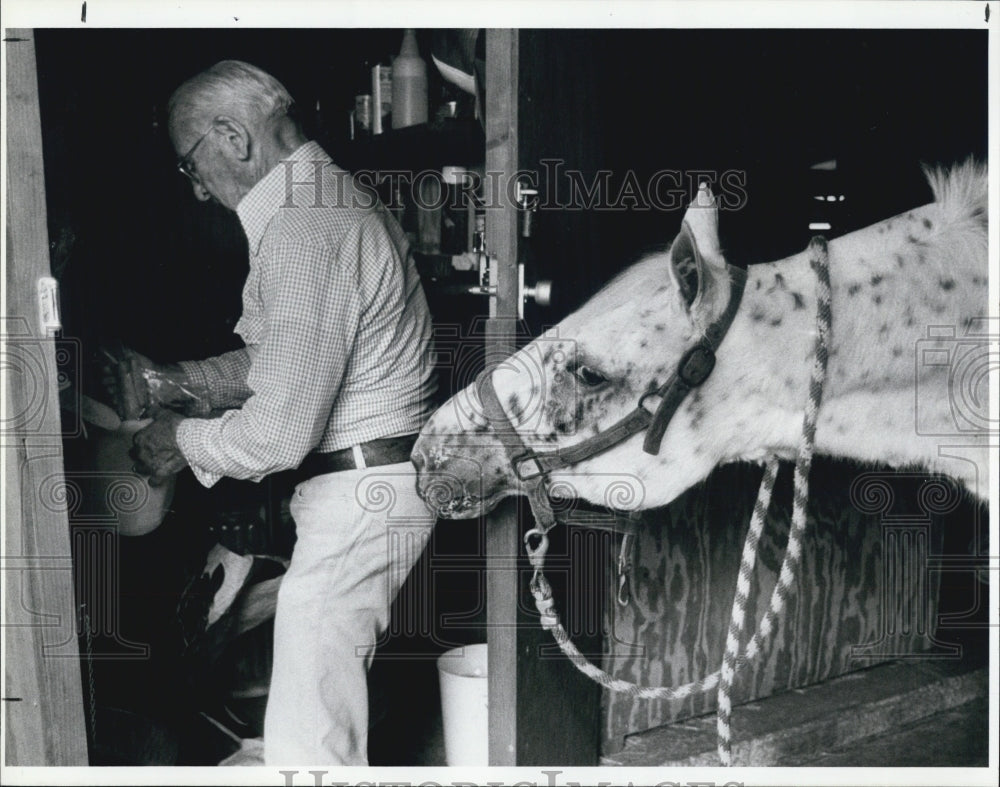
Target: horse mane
x,y
960,193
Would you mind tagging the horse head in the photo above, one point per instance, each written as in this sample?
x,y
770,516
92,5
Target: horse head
x,y
586,374
909,350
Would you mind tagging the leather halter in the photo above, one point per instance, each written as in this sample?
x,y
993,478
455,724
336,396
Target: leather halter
x,y
692,370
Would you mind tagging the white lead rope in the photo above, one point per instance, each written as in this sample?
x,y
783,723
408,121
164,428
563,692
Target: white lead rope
x,y
732,660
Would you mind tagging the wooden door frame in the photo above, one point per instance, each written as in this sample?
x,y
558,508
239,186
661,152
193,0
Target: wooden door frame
x,y
502,526
43,698
530,683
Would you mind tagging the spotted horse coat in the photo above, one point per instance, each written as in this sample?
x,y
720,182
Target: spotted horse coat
x,y
907,382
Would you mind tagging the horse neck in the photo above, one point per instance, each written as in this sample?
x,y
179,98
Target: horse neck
x,y
773,335
770,350
877,276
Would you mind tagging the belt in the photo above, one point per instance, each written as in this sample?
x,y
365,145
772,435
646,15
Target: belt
x,y
384,451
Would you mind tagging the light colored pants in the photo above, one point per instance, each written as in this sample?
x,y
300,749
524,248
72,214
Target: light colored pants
x,y
359,534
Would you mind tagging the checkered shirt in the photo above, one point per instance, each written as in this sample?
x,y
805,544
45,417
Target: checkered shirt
x,y
336,327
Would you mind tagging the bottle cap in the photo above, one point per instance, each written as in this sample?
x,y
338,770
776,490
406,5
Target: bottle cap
x,y
409,47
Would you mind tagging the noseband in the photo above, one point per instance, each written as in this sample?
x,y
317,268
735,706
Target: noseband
x,y
532,468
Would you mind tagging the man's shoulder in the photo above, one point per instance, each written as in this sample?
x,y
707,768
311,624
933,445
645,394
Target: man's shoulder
x,y
322,221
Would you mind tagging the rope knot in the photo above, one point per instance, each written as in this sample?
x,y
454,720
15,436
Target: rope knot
x,y
545,604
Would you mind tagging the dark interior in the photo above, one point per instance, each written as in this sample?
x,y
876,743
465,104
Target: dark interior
x,y
142,263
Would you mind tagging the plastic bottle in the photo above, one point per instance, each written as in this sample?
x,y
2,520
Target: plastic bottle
x,y
409,84
361,115
381,98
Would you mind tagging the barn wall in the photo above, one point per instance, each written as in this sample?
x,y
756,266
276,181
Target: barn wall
x,y
864,593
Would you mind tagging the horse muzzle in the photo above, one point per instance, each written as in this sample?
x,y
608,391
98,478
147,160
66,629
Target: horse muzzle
x,y
460,484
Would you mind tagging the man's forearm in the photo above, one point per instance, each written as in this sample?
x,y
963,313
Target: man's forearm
x,y
217,383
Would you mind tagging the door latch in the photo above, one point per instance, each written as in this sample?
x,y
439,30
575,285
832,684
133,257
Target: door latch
x,y
527,201
48,306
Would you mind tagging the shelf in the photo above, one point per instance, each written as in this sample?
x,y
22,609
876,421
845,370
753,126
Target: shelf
x,y
453,142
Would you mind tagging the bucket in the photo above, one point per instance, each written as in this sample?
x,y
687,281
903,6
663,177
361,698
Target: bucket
x,y
123,494
464,705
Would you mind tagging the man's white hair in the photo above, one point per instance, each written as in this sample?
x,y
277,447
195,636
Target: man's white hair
x,y
230,87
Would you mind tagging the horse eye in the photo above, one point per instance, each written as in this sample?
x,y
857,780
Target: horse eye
x,y
589,376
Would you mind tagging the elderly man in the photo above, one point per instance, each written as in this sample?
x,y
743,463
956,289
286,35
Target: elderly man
x,y
335,379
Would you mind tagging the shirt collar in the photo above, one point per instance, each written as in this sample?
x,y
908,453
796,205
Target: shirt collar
x,y
270,193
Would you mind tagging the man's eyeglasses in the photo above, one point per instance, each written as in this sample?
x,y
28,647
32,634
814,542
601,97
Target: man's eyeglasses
x,y
185,165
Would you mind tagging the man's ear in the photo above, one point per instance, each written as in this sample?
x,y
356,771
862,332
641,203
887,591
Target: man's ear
x,y
235,136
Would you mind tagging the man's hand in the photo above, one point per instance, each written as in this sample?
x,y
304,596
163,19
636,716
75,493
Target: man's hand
x,y
155,448
138,386
124,379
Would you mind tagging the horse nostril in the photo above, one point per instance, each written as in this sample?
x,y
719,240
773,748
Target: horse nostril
x,y
442,492
418,459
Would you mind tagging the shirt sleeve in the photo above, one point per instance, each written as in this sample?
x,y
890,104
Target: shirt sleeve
x,y
219,383
313,306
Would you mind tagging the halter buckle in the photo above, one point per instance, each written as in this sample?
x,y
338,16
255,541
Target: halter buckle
x,y
696,365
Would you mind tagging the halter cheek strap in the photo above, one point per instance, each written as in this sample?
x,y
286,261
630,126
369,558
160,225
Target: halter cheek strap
x,y
695,365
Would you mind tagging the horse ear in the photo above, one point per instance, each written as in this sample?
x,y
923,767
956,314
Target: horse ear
x,y
686,265
696,254
702,217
